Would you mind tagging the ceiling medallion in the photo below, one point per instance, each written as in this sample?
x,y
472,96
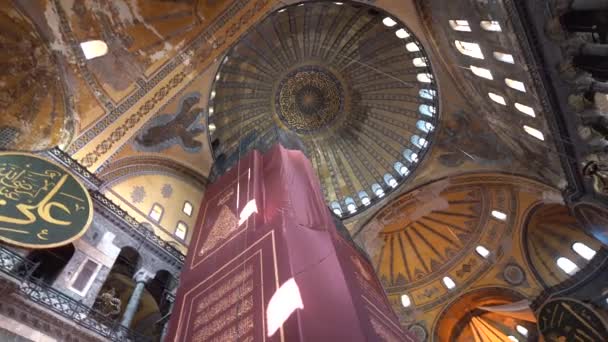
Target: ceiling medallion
x,y
309,99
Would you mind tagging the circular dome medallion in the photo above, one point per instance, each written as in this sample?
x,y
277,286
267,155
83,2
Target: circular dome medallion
x,y
309,99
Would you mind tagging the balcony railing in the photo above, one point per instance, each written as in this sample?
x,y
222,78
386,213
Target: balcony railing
x,y
20,269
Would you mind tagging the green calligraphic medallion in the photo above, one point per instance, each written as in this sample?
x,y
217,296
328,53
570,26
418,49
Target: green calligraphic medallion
x,y
41,204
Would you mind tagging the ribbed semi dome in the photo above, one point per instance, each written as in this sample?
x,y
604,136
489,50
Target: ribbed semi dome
x,y
356,87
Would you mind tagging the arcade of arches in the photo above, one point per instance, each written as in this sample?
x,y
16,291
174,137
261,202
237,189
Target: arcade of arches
x,y
462,143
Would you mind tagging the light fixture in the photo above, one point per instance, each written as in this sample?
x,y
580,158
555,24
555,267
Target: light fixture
x,y
499,215
389,22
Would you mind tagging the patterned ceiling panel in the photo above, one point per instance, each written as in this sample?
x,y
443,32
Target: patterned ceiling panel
x,y
356,88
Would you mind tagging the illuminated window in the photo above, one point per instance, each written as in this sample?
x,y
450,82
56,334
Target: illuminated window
x,y
498,99
211,128
424,126
156,213
181,230
412,47
427,110
350,205
217,77
282,10
583,250
335,207
504,57
187,208
94,48
210,110
499,215
481,250
339,3
402,33
389,22
406,301
525,109
534,132
522,330
567,265
364,197
482,72
517,85
428,94
411,156
490,25
460,25
419,62
512,338
469,49
419,141
424,78
390,180
212,94
449,283
377,189
401,169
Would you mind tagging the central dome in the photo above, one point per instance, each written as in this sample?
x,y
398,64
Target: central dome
x,y
352,82
309,99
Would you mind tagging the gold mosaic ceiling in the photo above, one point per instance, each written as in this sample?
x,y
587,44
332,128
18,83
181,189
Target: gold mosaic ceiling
x,y
356,88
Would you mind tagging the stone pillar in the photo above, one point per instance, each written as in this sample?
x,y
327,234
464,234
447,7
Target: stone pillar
x,y
133,304
166,325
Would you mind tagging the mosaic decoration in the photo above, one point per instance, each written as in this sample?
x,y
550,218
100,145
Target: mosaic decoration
x,y
166,191
41,204
181,128
343,82
309,99
138,194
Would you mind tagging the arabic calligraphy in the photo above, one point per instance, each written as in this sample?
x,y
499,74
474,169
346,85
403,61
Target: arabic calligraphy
x,y
41,204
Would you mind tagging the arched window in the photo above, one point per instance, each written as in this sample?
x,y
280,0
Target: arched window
x,y
424,126
499,215
410,155
210,110
517,85
482,72
512,338
181,230
567,265
377,190
350,205
335,207
390,180
94,48
490,25
419,62
522,330
504,57
187,209
156,213
402,33
212,96
412,47
534,132
460,25
406,301
428,94
583,250
211,128
418,141
497,98
364,197
427,110
449,283
525,109
424,78
389,22
481,250
469,49
401,169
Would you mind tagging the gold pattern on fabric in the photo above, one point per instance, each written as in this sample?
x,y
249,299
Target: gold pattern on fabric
x,y
240,313
229,285
225,224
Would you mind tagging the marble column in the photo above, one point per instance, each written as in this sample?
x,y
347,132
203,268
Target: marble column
x,y
133,304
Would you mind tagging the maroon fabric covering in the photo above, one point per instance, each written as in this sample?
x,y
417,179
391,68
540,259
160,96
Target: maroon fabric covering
x,y
232,271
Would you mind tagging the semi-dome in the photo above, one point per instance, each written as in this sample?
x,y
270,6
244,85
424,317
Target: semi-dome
x,y
353,83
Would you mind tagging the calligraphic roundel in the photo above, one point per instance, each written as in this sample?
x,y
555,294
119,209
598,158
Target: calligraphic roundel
x,y
41,204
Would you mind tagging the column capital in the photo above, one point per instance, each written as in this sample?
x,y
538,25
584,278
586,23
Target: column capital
x,y
142,276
